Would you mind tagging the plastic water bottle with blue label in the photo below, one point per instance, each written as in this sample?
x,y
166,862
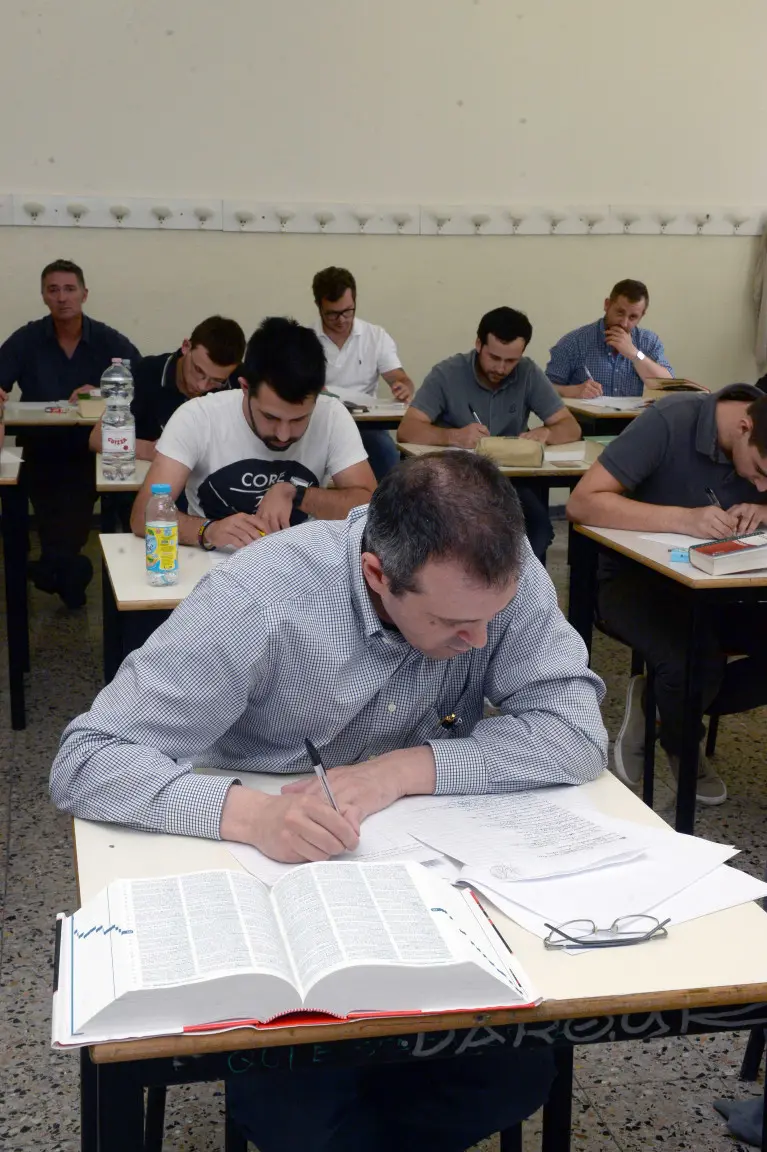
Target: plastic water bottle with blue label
x,y
161,537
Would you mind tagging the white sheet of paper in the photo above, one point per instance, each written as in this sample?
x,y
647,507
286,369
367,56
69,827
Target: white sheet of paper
x,y
671,863
565,455
522,835
725,887
10,456
617,403
675,539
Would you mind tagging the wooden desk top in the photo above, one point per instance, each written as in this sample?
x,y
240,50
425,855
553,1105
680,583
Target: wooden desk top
x,y
10,466
102,485
125,558
715,960
588,408
561,470
381,411
29,414
654,554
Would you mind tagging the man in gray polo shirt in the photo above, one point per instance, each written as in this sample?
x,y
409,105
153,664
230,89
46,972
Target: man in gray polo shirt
x,y
656,477
491,391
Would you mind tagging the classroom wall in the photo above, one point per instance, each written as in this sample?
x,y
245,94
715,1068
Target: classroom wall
x,y
428,292
390,101
450,100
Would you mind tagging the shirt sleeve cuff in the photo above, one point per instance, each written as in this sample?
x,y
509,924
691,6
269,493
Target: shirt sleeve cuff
x,y
194,803
460,767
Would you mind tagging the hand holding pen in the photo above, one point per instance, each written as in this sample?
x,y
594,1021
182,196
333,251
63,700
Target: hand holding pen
x,y
711,522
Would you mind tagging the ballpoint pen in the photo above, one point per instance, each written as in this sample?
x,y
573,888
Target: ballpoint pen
x,y
712,497
319,768
476,417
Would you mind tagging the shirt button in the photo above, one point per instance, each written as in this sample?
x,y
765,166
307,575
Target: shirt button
x,y
392,707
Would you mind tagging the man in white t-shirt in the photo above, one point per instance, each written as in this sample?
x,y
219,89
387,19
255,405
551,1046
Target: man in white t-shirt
x,y
357,353
257,460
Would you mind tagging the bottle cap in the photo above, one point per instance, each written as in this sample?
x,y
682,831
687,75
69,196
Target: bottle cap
x,y
161,489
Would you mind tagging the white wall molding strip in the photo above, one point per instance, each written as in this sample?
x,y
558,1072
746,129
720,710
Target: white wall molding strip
x,y
211,215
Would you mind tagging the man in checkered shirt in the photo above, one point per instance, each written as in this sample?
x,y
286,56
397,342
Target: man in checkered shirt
x,y
612,356
362,635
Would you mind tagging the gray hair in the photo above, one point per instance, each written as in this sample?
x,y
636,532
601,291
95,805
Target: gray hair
x,y
455,506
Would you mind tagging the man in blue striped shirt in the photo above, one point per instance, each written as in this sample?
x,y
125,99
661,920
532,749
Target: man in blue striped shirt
x,y
612,356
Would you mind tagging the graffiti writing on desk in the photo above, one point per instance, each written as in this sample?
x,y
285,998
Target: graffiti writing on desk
x,y
423,1045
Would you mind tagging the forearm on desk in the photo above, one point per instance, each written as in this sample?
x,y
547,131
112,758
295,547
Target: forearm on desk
x,y
611,510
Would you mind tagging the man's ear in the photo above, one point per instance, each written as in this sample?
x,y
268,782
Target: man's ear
x,y
373,573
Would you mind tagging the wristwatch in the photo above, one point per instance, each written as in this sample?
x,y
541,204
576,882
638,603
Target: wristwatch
x,y
201,537
640,355
300,487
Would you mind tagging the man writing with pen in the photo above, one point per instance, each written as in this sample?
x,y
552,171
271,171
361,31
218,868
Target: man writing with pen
x,y
695,465
378,638
491,391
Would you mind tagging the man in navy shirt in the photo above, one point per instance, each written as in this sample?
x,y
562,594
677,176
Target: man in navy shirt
x,y
206,362
53,359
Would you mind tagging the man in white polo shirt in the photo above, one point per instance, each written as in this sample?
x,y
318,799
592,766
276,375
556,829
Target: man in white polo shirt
x,y
357,353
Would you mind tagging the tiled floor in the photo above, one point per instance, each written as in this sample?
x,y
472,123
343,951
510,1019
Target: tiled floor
x,y
627,1096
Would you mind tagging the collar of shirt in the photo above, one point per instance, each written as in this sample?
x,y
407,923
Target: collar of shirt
x,y
169,372
473,360
370,621
706,435
50,329
355,333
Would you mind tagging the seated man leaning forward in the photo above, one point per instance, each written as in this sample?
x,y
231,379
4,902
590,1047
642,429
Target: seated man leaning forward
x,y
612,356
695,465
359,635
491,391
253,460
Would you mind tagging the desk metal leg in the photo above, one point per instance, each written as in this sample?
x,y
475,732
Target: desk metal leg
x,y
112,628
88,1103
119,1109
15,561
558,1110
583,586
692,717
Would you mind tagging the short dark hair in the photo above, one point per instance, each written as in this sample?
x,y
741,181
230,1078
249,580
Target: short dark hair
x,y
633,290
761,383
455,506
287,357
222,339
757,412
506,324
331,283
63,266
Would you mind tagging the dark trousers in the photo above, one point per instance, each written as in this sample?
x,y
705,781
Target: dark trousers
x,y
653,616
537,520
59,475
382,452
418,1106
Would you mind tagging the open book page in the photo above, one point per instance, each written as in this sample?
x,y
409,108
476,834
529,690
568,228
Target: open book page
x,y
204,924
340,914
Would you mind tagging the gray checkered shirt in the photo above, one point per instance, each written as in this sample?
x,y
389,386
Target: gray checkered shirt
x,y
281,642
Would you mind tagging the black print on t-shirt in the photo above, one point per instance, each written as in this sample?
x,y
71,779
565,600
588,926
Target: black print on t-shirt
x,y
241,487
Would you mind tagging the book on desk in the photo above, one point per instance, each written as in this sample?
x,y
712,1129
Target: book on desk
x,y
733,554
214,950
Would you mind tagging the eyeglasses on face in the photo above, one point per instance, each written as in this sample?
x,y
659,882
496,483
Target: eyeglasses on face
x,y
338,314
201,375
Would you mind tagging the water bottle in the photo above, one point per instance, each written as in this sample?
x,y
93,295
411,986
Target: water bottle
x,y
161,537
118,426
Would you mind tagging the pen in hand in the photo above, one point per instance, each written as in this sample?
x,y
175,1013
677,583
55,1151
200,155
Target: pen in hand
x,y
712,497
319,769
476,417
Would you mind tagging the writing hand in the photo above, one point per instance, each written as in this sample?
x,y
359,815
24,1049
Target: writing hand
x,y
233,531
468,437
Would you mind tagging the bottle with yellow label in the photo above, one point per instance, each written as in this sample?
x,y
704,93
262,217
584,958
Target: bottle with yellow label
x,y
161,537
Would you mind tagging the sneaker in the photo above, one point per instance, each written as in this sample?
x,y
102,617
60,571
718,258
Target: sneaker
x,y
711,789
629,744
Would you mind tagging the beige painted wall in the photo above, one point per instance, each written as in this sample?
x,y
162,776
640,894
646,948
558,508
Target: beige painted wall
x,y
429,292
458,101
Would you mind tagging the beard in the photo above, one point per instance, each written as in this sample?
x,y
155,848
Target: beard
x,y
275,445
